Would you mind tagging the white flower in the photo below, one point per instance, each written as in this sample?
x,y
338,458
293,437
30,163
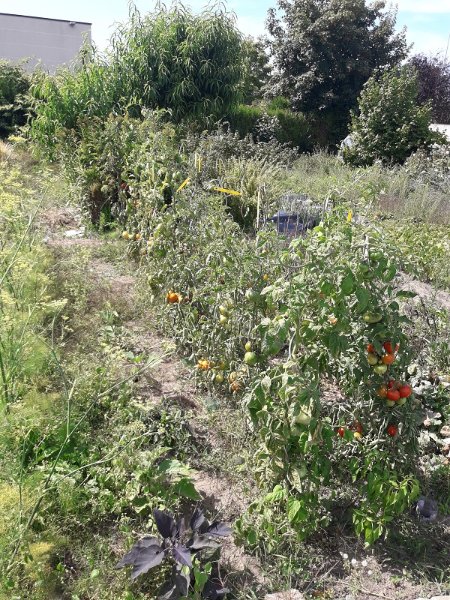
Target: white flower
x,y
364,563
354,562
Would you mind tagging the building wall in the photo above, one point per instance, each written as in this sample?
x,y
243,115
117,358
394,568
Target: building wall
x,y
49,42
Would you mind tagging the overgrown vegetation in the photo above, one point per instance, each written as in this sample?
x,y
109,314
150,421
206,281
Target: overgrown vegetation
x,y
14,106
307,298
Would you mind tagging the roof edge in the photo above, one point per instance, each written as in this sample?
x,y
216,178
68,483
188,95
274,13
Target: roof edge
x,y
45,18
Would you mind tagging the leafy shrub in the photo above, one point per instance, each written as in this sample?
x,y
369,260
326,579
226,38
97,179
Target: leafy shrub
x,y
100,160
391,124
277,123
222,143
170,59
14,85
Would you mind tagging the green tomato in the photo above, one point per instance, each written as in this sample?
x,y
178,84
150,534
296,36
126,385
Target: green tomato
x,y
251,295
302,471
219,378
223,319
248,346
380,369
303,418
372,359
401,402
372,318
250,359
223,310
390,403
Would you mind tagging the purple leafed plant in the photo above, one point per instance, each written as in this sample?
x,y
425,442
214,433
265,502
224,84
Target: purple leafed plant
x,y
179,545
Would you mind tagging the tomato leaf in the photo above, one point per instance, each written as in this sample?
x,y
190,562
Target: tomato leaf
x,y
348,284
363,297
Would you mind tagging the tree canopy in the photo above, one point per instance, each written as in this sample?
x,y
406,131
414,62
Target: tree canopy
x,y
434,84
325,50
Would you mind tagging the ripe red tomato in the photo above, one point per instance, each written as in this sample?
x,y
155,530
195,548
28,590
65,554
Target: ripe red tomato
x,y
393,395
358,427
388,359
392,430
388,347
341,431
405,391
371,349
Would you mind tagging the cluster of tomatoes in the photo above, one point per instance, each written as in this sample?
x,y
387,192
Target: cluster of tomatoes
x,y
381,362
395,392
356,428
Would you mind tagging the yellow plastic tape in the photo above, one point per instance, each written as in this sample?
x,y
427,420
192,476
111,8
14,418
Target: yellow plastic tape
x,y
184,184
226,191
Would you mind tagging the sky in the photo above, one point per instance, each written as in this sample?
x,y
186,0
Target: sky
x,y
427,21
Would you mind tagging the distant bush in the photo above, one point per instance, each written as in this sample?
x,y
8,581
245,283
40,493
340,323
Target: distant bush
x,y
265,123
14,85
391,124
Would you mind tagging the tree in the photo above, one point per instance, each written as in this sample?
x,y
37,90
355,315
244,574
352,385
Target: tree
x,y
434,84
391,123
256,69
325,50
170,59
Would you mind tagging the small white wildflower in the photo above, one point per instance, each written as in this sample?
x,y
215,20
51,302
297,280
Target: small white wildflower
x,y
345,556
354,562
369,572
364,563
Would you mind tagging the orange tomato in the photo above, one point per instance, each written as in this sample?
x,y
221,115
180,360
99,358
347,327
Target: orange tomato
x,y
388,359
371,349
204,365
382,391
173,297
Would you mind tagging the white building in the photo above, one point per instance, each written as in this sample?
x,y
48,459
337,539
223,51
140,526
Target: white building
x,y
48,42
